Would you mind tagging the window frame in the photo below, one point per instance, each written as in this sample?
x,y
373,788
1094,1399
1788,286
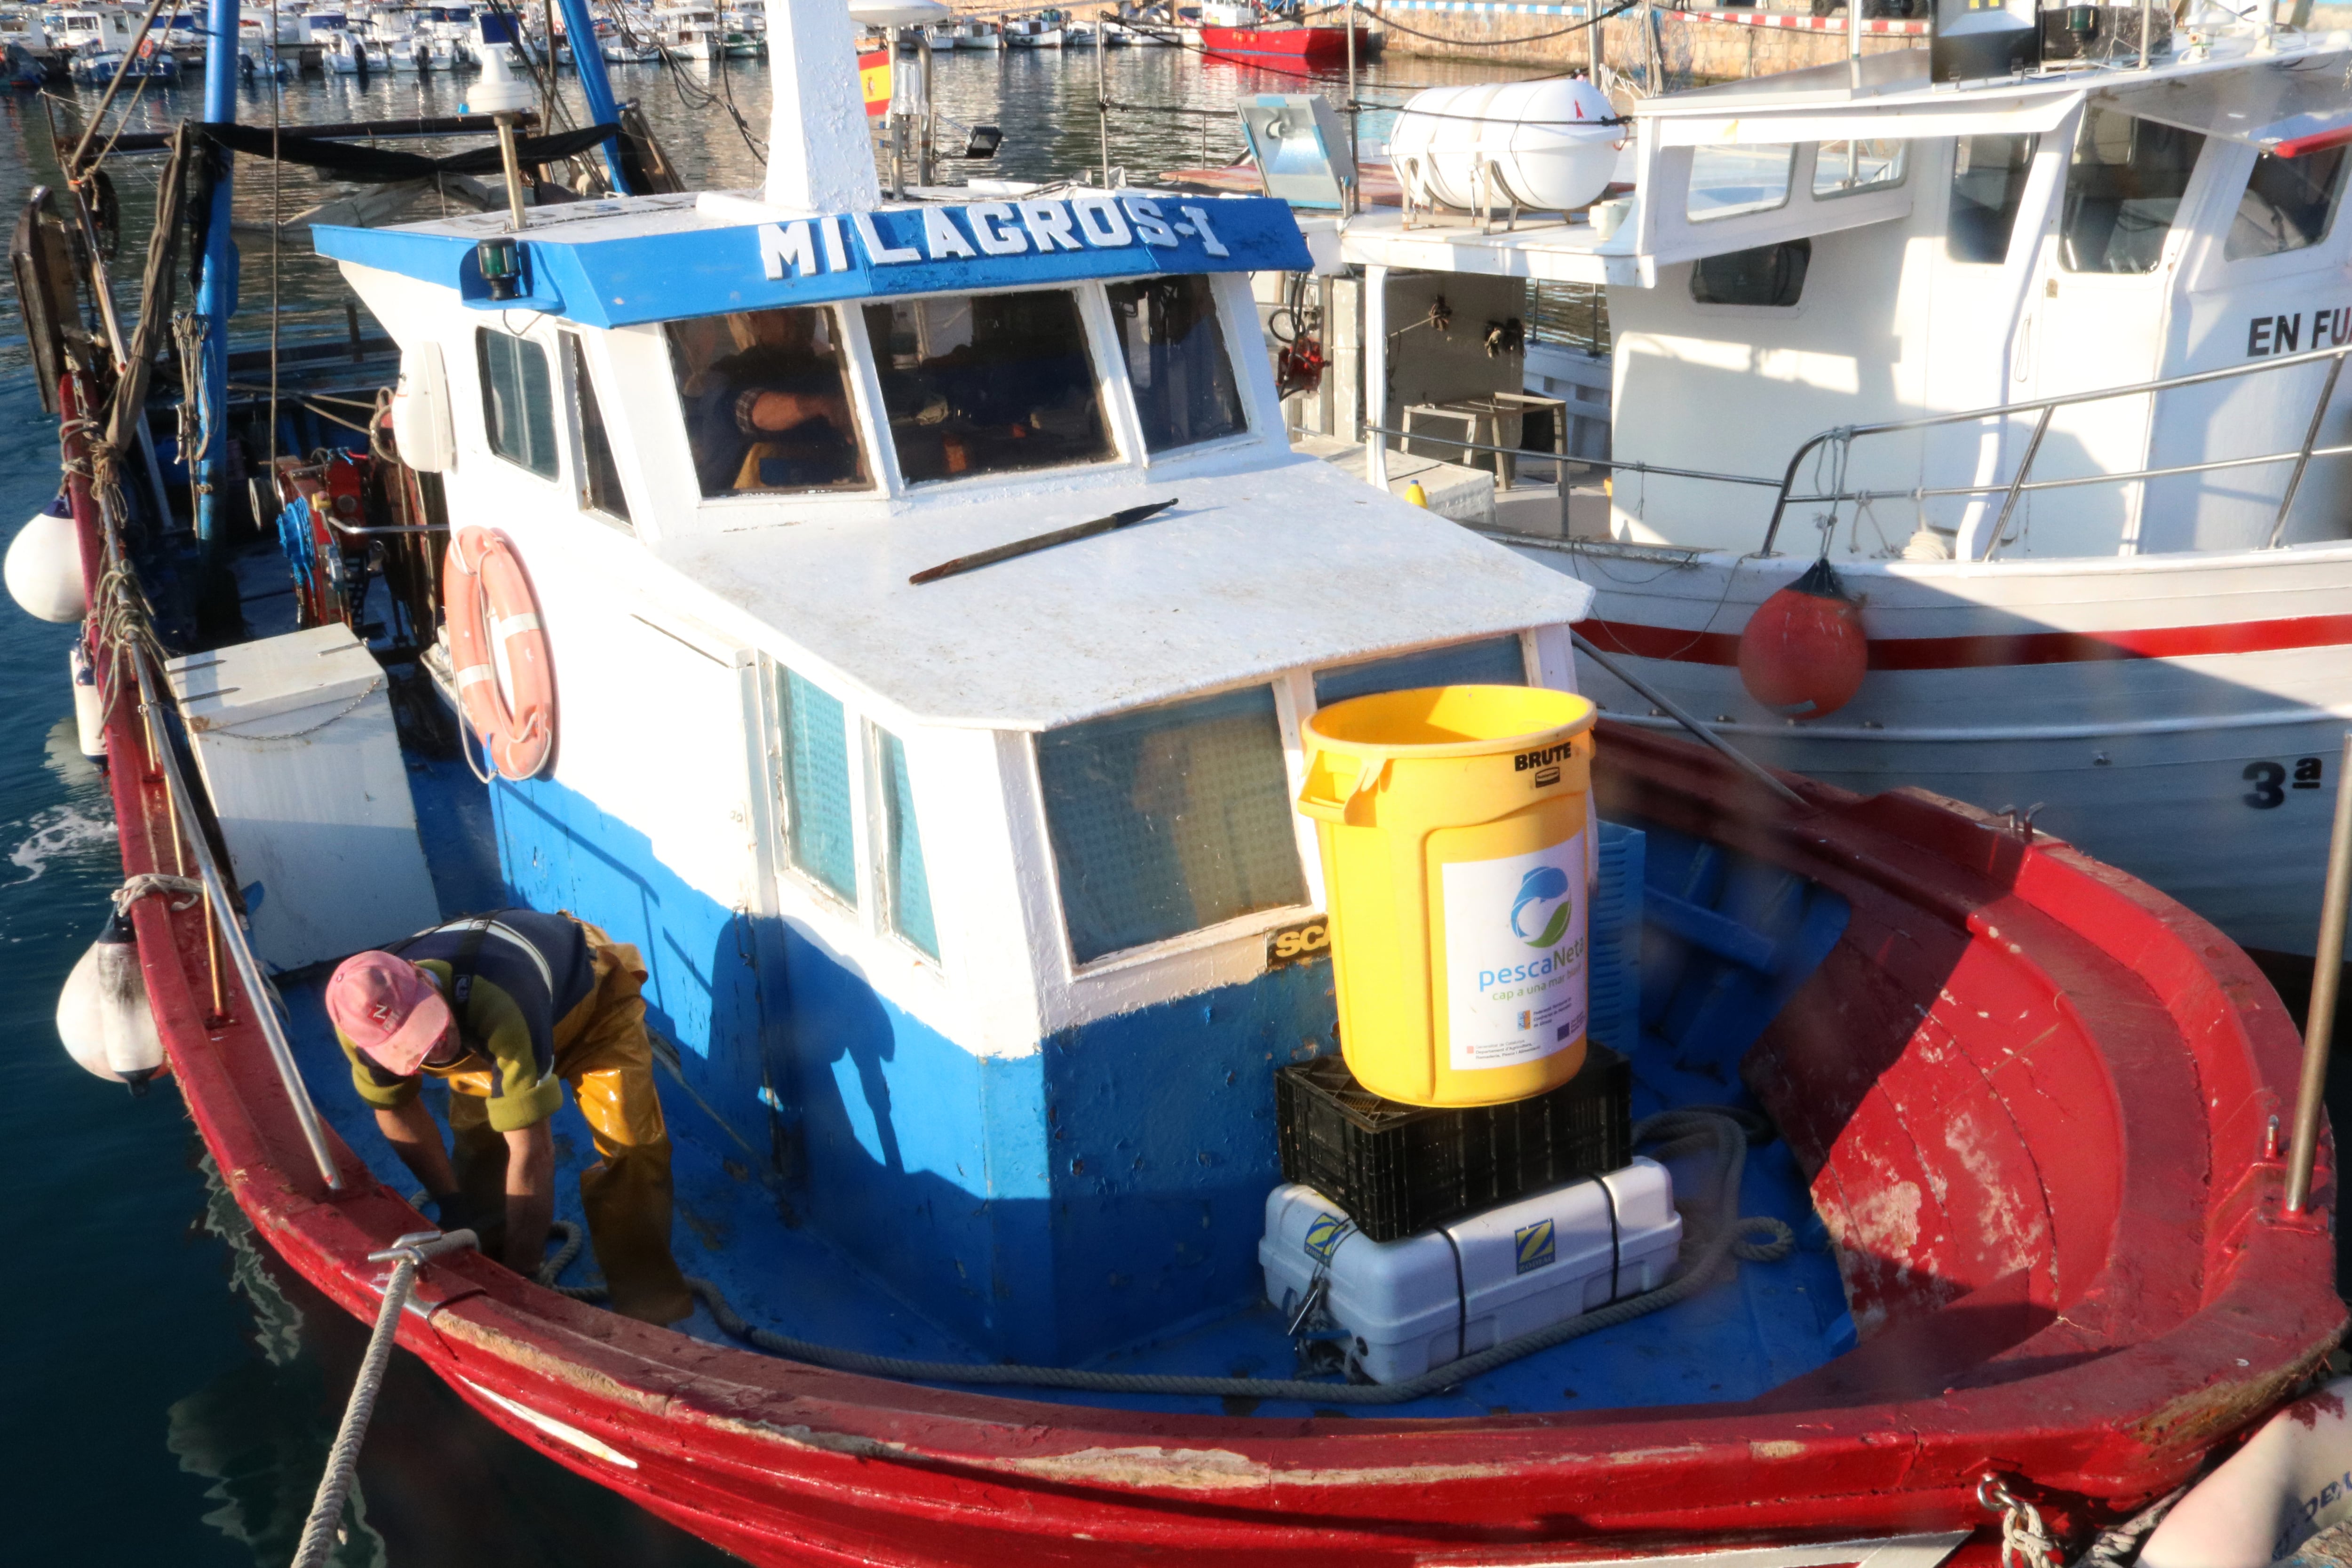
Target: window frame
x,y
1813,172
1115,356
2039,145
2179,227
879,804
1289,708
572,349
1788,189
776,701
1711,307
865,398
1122,423
483,334
2301,256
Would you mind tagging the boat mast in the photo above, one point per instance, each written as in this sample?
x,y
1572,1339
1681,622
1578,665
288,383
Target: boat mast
x,y
216,285
596,85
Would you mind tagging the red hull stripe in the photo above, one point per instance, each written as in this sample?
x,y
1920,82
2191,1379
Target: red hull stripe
x,y
1989,652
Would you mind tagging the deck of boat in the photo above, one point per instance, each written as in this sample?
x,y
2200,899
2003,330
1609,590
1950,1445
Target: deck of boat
x,y
737,1225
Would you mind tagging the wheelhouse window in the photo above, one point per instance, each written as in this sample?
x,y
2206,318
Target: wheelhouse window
x,y
905,887
987,383
1768,275
767,403
818,839
1491,661
600,476
1170,819
1727,181
518,400
1176,360
1987,187
2122,190
1850,168
2289,203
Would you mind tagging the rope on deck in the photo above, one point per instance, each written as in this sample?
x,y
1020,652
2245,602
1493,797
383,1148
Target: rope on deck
x,y
1709,1254
321,1532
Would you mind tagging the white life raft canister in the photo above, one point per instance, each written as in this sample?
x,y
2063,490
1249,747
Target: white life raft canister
x,y
1548,145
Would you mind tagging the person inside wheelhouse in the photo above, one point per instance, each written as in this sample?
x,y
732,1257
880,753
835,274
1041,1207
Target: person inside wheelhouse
x,y
766,398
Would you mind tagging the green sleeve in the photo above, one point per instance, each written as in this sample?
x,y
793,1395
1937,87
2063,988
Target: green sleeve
x,y
527,1093
377,1087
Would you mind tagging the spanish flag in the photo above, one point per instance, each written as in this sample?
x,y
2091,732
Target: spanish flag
x,y
874,76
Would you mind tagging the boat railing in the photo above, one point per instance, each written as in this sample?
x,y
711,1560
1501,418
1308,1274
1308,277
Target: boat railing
x,y
2019,484
1572,458
223,925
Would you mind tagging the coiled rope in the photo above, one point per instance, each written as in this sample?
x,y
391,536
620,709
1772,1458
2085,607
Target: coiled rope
x,y
1708,1253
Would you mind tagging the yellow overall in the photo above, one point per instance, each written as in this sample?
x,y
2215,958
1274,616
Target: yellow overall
x,y
601,1051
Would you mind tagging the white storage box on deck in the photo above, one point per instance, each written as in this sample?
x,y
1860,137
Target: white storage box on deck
x,y
1523,1266
294,738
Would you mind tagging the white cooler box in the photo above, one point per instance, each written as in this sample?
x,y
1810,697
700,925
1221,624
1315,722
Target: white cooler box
x,y
1552,1255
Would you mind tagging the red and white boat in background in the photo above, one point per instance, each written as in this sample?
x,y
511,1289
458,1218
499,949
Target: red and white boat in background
x,y
2045,363
1243,32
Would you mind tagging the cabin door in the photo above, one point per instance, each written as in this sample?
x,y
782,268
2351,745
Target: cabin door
x,y
2099,318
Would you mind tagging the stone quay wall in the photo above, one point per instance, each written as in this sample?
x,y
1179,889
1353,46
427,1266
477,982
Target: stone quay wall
x,y
1691,48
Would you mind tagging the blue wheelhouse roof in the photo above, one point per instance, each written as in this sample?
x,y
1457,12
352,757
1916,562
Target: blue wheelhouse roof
x,y
660,258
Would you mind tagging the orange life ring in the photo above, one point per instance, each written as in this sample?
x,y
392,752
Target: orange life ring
x,y
488,598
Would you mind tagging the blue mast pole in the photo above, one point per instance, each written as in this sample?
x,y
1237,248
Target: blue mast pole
x,y
595,86
216,289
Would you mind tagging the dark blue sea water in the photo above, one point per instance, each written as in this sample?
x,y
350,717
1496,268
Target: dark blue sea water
x,y
167,1390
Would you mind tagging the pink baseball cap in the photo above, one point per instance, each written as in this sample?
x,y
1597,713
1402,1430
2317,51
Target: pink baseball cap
x,y
388,1009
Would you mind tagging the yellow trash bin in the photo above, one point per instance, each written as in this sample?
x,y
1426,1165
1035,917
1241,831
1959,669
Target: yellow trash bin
x,y
1457,866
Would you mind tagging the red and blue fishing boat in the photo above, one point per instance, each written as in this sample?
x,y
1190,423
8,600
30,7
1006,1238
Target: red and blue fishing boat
x,y
938,757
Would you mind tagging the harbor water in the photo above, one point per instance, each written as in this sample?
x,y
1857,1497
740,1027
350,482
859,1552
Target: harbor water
x,y
171,1390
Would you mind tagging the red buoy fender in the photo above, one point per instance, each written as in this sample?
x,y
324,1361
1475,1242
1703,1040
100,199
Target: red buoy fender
x,y
1803,653
489,603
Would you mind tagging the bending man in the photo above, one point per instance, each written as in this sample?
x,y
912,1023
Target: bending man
x,y
507,1008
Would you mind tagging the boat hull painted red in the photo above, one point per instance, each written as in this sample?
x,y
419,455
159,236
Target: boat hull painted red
x,y
2082,1279
1316,45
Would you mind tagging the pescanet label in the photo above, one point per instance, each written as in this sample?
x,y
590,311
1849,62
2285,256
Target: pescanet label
x,y
1515,955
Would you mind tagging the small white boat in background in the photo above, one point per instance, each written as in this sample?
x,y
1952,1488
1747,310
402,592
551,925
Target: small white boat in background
x,y
979,36
745,24
1032,35
343,53
620,51
690,33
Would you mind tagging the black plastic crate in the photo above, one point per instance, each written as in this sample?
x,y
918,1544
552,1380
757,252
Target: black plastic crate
x,y
1397,1169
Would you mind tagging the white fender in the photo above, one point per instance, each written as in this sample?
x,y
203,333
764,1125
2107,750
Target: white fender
x,y
43,569
90,707
2291,1480
103,1013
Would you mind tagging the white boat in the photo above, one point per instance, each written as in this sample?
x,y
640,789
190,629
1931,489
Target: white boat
x,y
623,51
343,53
1032,35
745,24
979,36
945,36
2127,610
1078,35
689,32
84,29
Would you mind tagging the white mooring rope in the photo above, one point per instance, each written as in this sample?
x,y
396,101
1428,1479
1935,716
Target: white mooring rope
x,y
320,1531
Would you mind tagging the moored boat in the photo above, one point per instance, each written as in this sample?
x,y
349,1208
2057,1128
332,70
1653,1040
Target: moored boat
x,y
963,884
2093,569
